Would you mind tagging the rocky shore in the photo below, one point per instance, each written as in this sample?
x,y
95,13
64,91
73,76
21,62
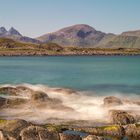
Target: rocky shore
x,y
23,130
69,52
25,115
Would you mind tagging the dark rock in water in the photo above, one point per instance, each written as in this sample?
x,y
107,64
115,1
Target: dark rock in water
x,y
132,130
69,137
112,101
42,100
11,102
2,102
39,96
93,137
121,117
38,133
65,91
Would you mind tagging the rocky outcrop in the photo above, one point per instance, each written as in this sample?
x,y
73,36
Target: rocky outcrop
x,y
121,117
112,101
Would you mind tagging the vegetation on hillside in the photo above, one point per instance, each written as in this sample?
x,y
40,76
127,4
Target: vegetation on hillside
x,y
9,47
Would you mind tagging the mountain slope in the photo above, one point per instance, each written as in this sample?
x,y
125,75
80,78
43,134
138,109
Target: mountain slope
x,y
15,35
131,33
80,35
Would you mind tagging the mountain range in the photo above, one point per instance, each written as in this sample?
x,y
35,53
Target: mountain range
x,y
80,35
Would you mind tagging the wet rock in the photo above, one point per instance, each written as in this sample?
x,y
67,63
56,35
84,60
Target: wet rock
x,y
2,102
69,137
64,91
121,117
93,137
39,96
112,101
6,102
38,133
11,91
41,100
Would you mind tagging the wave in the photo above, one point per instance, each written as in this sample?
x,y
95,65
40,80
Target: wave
x,y
42,104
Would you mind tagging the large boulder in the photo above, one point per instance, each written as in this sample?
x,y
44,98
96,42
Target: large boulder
x,y
38,133
121,117
93,137
112,101
12,128
69,137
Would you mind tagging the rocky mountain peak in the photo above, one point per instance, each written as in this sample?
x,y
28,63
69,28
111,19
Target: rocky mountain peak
x,y
13,31
2,30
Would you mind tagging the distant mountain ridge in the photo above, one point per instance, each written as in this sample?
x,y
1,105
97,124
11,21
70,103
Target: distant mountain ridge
x,y
12,33
80,35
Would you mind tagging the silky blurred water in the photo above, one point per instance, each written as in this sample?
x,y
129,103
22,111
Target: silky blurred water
x,y
101,74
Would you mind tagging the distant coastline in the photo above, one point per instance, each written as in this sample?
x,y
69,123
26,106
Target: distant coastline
x,y
68,52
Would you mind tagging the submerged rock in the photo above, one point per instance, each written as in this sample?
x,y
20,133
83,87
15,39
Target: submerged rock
x,y
11,102
11,91
121,117
39,96
112,101
2,102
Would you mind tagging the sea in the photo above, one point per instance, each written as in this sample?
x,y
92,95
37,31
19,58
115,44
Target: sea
x,y
99,74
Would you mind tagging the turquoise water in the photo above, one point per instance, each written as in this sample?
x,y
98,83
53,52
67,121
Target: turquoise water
x,y
91,73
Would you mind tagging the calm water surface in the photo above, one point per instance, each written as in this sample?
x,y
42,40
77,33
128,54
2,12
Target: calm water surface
x,y
91,73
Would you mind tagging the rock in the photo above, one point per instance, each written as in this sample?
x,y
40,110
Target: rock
x,y
11,102
64,91
38,133
112,101
121,117
39,96
69,137
2,102
114,130
6,136
12,128
11,91
93,137
132,130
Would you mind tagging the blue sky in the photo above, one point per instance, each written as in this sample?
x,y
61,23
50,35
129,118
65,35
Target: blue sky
x,y
36,17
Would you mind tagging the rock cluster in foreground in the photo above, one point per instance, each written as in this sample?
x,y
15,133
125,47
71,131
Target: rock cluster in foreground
x,y
22,130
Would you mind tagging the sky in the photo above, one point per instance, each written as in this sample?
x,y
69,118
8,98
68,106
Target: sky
x,y
37,17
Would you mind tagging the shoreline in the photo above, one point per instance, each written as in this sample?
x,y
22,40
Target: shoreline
x,y
10,54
